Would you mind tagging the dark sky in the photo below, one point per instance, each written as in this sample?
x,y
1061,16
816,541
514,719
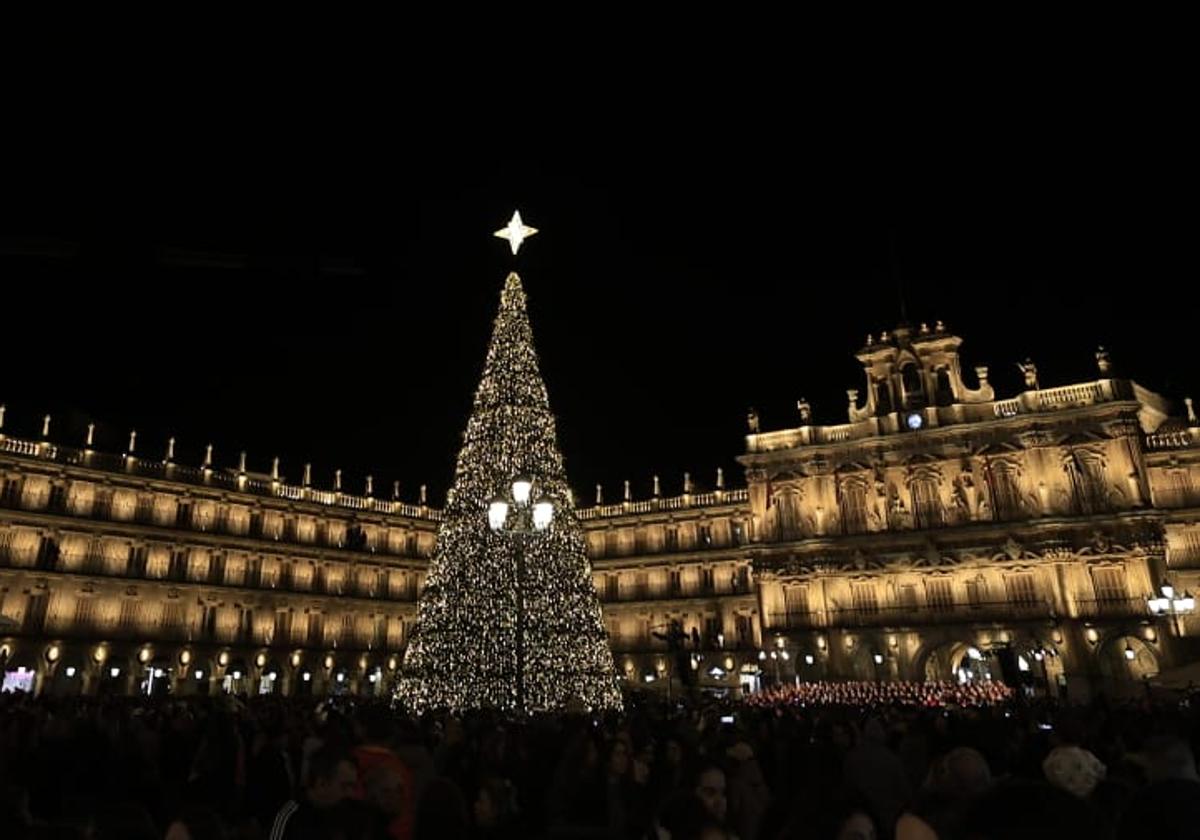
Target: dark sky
x,y
329,298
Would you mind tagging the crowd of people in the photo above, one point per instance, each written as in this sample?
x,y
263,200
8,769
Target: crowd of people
x,y
896,693
880,765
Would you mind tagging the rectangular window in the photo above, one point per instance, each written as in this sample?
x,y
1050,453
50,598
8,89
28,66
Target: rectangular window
x,y
642,590
707,580
1005,485
676,582
1110,584
795,600
58,498
852,504
85,615
283,627
12,492
612,587
316,629
704,536
208,628
246,626
864,598
131,616
611,544
744,632
137,561
671,537
927,506
1022,589
178,567
938,594
172,618
735,533
712,629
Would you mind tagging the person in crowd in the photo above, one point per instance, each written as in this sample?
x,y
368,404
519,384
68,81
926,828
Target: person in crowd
x,y
376,729
809,760
319,813
876,774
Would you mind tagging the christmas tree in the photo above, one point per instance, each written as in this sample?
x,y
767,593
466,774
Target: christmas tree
x,y
509,618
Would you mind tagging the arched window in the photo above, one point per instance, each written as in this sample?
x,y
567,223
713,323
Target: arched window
x,y
852,504
926,502
944,394
910,376
788,514
883,397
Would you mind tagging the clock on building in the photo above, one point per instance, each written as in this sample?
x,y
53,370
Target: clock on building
x,y
914,420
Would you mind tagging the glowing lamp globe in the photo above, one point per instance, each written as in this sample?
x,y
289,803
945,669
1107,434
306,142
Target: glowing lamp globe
x,y
521,488
543,513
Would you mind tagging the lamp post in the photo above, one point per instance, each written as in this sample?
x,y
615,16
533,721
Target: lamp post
x,y
1171,602
511,515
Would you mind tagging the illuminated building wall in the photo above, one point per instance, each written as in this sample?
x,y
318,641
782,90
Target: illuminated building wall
x,y
938,523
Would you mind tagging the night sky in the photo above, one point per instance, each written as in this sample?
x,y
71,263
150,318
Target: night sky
x,y
331,301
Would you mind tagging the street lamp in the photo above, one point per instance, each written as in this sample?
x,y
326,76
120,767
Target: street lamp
x,y
512,516
877,658
1170,602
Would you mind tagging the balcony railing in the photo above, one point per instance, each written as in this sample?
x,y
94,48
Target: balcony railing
x,y
225,479
1117,607
689,500
1173,440
102,510
908,615
95,564
649,593
1177,497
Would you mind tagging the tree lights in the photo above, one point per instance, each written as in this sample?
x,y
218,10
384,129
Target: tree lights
x,y
488,595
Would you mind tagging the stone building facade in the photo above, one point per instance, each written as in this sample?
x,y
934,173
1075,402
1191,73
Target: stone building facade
x,y
124,574
941,532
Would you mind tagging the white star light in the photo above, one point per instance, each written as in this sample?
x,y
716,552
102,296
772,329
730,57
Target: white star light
x,y
516,232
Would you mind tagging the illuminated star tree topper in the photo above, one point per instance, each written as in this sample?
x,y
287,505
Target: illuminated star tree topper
x,y
516,232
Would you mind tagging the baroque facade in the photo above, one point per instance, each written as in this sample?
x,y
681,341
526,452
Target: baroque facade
x,y
940,532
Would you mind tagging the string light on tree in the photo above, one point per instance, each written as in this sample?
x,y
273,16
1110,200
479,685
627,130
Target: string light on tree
x,y
482,594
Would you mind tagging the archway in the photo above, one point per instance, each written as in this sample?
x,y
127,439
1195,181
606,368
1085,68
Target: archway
x,y
270,681
67,677
198,675
957,662
1125,663
156,677
868,663
237,677
303,686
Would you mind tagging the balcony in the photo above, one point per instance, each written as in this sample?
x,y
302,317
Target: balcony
x,y
990,611
1119,608
649,593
